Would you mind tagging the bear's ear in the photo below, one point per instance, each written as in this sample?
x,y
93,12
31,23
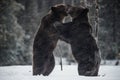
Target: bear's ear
x,y
53,9
85,11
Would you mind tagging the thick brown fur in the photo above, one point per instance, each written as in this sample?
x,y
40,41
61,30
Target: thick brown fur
x,y
45,41
83,44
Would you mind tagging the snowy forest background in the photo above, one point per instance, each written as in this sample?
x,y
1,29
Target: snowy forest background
x,y
20,19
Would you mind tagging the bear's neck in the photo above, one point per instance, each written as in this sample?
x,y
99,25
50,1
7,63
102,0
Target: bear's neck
x,y
80,19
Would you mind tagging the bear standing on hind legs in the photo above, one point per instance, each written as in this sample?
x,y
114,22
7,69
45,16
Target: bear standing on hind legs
x,y
83,44
45,41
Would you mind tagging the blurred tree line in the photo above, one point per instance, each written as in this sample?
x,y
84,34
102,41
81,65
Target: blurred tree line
x,y
20,19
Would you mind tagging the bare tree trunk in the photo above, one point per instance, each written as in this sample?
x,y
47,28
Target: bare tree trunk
x,y
115,40
96,19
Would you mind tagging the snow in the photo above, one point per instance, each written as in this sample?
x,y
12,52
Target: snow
x,y
69,73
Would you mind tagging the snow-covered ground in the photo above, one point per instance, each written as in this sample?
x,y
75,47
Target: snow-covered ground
x,y
69,73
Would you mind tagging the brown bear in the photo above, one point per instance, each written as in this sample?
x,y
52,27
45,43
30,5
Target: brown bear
x,y
45,41
83,44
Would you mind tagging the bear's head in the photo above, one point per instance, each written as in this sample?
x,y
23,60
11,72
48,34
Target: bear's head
x,y
77,11
59,11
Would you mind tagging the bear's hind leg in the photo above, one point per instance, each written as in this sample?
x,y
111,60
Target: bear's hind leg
x,y
50,64
38,64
